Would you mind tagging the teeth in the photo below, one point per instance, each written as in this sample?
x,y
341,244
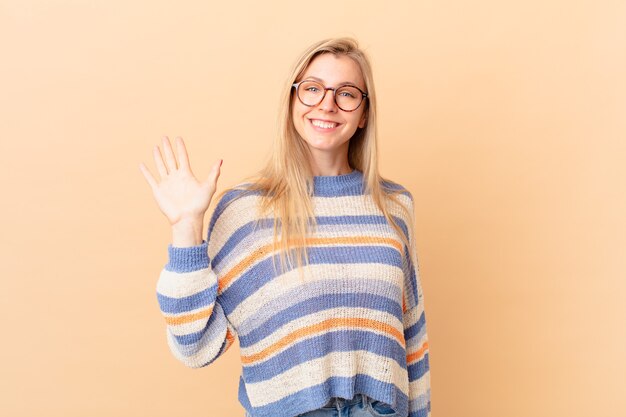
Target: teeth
x,y
324,125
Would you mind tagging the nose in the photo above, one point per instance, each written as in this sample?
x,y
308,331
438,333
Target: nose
x,y
328,101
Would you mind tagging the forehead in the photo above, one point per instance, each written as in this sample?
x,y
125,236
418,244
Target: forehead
x,y
335,69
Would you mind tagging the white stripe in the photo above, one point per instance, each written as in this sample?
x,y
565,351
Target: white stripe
x,y
179,285
254,310
261,238
412,316
419,386
197,354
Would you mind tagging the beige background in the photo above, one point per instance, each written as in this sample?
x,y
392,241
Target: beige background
x,y
505,119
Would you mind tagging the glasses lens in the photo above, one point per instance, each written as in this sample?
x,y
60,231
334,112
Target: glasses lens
x,y
348,98
310,92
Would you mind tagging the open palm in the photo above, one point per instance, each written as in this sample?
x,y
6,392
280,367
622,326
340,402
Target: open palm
x,y
179,194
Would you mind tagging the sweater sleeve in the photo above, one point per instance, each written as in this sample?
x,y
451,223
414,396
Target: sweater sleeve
x,y
417,360
416,338
197,330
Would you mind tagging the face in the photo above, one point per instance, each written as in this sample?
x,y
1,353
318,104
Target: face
x,y
334,134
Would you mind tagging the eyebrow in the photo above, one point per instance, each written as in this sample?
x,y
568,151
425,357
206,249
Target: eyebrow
x,y
338,85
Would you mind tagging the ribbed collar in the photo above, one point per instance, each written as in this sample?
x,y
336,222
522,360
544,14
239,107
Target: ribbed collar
x,y
337,184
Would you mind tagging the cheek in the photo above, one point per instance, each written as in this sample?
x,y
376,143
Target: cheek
x,y
296,112
297,119
355,120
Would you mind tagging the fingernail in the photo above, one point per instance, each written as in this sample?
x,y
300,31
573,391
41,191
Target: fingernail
x,y
221,160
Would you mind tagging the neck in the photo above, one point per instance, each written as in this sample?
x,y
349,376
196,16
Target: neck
x,y
327,164
332,172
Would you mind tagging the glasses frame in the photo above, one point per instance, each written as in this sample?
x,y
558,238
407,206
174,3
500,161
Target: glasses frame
x,y
334,90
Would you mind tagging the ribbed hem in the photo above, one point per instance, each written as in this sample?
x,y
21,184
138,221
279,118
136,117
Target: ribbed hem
x,y
189,259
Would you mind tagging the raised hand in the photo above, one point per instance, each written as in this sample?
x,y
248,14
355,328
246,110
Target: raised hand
x,y
180,196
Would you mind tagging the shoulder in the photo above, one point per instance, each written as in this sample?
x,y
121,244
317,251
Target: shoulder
x,y
398,193
393,187
230,195
234,202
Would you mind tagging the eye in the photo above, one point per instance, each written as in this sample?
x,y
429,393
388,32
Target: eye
x,y
349,92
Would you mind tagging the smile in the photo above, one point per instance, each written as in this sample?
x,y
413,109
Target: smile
x,y
325,126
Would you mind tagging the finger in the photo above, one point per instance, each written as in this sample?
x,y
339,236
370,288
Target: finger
x,y
170,160
183,157
215,172
158,160
148,175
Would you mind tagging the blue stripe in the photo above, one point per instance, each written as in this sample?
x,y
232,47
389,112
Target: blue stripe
x,y
422,412
344,340
201,299
263,272
314,397
418,369
412,331
187,259
266,223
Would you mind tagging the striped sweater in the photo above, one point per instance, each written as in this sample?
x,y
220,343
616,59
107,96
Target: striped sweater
x,y
355,324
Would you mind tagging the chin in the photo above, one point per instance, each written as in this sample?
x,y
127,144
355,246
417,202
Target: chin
x,y
322,145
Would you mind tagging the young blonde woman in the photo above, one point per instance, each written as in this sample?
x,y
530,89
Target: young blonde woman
x,y
311,263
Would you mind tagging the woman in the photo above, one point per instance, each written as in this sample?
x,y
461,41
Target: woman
x,y
311,263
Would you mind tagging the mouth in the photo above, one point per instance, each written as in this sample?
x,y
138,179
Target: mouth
x,y
323,126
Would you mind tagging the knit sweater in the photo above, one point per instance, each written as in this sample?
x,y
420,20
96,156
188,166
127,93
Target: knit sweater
x,y
355,324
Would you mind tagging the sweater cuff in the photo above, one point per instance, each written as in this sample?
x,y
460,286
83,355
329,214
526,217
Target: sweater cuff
x,y
188,259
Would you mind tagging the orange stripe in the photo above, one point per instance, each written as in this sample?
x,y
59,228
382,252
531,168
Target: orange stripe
x,y
190,317
230,338
322,327
417,354
266,250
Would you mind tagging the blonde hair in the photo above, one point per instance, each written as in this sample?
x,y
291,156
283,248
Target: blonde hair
x,y
286,181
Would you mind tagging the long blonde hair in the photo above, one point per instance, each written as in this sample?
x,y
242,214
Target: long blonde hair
x,y
286,181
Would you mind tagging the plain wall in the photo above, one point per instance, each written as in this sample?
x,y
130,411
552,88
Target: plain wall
x,y
506,120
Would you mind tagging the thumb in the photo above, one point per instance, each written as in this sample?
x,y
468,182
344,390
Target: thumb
x,y
215,172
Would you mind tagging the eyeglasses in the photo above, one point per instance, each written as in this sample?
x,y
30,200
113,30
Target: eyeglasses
x,y
347,97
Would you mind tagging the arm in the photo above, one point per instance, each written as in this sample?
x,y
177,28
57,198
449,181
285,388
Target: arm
x,y
415,335
417,358
197,330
